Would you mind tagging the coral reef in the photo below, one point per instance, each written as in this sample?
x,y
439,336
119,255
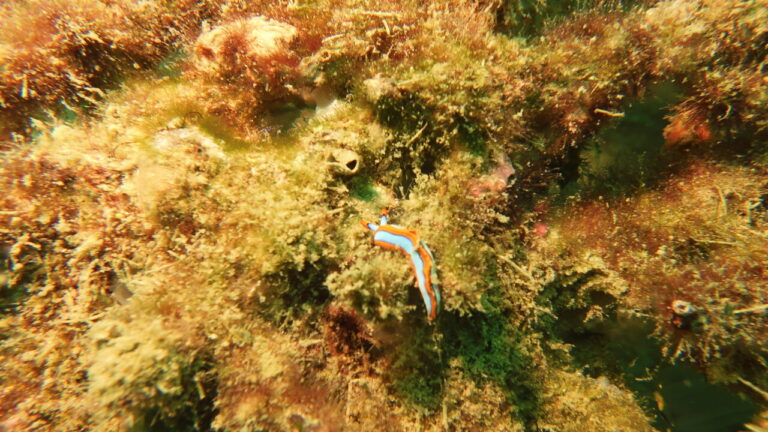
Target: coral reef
x,y
183,184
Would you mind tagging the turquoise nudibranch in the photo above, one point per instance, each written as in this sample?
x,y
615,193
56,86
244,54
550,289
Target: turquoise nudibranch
x,y
395,237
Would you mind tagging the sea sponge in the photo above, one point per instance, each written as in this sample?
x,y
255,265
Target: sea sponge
x,y
136,365
254,42
254,54
345,162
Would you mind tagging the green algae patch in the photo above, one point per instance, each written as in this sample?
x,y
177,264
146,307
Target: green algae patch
x,y
361,188
297,291
10,297
528,18
472,138
13,284
693,404
406,112
490,350
214,127
419,371
69,114
193,412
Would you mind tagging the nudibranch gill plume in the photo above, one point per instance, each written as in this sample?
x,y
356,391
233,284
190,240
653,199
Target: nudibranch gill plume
x,y
395,237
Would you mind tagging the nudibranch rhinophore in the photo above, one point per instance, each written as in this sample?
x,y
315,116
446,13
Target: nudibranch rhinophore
x,y
395,237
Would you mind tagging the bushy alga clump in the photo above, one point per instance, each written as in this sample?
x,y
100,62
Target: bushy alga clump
x,y
706,250
62,56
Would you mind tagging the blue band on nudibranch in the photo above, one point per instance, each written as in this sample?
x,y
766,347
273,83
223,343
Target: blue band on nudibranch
x,y
433,274
395,237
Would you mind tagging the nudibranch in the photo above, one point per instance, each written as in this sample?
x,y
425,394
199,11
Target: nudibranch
x,y
395,237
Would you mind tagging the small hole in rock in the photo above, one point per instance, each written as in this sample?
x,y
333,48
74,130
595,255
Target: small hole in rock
x,y
352,164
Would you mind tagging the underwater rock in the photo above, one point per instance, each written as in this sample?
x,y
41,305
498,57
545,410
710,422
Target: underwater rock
x,y
176,157
576,403
378,87
64,57
369,406
247,68
469,405
256,40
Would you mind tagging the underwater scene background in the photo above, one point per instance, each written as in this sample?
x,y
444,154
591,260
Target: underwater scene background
x,y
579,190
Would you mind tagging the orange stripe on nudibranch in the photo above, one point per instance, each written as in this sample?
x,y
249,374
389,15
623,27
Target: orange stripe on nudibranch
x,y
431,314
388,246
411,235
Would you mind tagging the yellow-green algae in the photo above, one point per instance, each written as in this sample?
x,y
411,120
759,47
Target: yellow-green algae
x,y
180,234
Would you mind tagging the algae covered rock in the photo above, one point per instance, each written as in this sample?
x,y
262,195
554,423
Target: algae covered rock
x,y
578,403
261,38
183,185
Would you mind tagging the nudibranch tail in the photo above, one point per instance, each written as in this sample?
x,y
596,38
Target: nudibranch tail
x,y
433,275
394,237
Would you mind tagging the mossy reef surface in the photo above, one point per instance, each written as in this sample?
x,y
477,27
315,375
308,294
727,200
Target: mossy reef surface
x,y
182,185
